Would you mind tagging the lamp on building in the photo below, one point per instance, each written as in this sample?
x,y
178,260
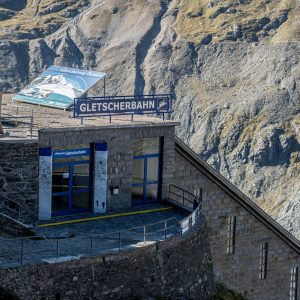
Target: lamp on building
x,y
114,190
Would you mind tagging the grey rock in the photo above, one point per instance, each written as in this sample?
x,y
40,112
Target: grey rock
x,y
237,100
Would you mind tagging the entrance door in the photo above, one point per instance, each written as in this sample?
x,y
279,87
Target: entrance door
x,y
146,171
71,187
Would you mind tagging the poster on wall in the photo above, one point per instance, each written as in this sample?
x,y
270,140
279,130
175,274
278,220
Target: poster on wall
x,y
58,86
100,178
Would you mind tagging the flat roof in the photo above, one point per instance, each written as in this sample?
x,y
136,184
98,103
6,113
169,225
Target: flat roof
x,y
52,119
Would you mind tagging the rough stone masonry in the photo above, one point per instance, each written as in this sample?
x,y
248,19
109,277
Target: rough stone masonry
x,y
172,269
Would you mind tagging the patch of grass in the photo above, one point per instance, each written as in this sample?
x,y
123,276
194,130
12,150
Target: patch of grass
x,y
37,16
194,21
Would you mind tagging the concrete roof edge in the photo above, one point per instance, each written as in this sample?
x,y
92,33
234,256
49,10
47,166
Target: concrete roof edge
x,y
112,126
240,197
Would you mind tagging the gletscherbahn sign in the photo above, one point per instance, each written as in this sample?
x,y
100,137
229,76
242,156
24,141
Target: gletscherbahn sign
x,y
117,105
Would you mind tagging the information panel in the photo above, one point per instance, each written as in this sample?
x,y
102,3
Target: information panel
x,y
104,106
58,86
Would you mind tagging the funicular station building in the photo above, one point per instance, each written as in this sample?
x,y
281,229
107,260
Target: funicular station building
x,y
69,167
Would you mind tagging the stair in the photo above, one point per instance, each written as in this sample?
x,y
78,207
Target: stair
x,y
14,218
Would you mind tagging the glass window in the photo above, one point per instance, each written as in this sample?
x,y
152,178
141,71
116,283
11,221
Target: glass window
x,y
152,168
152,192
81,177
145,146
60,179
81,200
138,171
263,260
294,284
231,235
60,203
137,193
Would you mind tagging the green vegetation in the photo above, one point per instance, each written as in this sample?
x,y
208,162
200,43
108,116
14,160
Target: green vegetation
x,y
199,18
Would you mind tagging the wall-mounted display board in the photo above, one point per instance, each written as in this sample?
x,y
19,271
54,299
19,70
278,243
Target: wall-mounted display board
x,y
58,86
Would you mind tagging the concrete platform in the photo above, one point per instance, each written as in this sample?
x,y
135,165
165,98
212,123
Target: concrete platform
x,y
92,237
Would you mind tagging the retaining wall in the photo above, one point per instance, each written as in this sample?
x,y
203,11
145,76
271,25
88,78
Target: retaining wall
x,y
172,269
19,173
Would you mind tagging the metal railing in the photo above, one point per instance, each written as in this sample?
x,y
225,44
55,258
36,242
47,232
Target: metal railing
x,y
14,209
184,197
30,250
25,119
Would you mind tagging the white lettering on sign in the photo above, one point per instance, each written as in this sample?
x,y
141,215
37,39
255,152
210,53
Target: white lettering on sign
x,y
83,107
119,106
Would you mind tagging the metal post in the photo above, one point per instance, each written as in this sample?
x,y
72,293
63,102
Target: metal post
x,y
119,240
31,123
22,250
81,121
104,86
132,118
144,234
109,119
166,228
17,115
1,129
91,244
57,253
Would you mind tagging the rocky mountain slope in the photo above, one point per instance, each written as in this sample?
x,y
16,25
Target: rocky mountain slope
x,y
233,67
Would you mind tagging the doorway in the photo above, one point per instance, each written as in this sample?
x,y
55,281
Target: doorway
x,y
71,186
146,171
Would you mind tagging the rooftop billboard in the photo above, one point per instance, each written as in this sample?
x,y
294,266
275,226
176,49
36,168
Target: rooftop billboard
x,y
58,86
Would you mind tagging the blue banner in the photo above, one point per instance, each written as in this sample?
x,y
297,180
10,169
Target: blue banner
x,y
71,153
103,106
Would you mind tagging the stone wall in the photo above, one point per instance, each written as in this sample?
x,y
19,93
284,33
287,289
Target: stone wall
x,y
120,153
239,271
173,269
19,172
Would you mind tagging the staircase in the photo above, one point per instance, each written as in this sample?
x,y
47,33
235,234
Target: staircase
x,y
14,218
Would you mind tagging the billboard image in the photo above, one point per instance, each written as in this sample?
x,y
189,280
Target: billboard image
x,y
58,86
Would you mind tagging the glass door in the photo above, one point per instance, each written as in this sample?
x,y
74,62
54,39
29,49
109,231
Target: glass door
x,y
70,187
60,188
145,180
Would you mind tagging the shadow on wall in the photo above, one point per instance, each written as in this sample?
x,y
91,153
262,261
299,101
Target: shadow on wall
x,y
6,296
223,293
13,5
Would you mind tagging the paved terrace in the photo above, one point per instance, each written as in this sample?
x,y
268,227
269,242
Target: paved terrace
x,y
47,118
111,234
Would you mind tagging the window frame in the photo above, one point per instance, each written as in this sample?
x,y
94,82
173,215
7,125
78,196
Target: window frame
x,y
263,260
231,231
294,283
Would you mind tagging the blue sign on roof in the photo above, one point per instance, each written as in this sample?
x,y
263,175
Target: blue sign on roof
x,y
106,106
58,86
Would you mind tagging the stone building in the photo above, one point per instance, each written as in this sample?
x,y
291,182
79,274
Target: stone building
x,y
97,167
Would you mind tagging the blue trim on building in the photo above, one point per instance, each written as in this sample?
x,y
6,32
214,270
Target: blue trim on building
x,y
45,151
101,147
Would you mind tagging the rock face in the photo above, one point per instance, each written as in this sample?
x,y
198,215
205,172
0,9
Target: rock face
x,y
233,67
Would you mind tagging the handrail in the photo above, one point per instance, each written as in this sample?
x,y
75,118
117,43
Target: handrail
x,y
16,117
25,248
11,208
182,198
